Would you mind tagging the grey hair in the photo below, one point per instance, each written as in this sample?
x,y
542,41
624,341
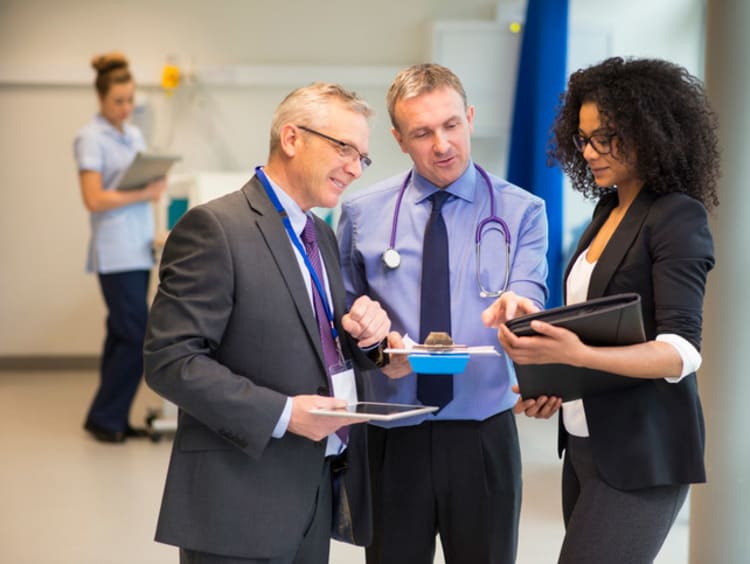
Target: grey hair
x,y
309,106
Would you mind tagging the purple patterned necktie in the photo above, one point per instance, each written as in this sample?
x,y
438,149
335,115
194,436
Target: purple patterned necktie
x,y
330,352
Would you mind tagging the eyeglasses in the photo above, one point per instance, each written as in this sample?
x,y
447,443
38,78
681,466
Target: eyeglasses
x,y
600,142
346,150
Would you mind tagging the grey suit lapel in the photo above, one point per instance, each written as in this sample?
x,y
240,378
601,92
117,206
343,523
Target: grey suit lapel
x,y
330,252
272,229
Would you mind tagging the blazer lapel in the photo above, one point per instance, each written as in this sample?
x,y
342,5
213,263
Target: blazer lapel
x,y
330,253
622,239
272,229
600,215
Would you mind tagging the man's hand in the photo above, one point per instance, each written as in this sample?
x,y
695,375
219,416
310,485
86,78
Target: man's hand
x,y
398,364
317,427
367,322
506,307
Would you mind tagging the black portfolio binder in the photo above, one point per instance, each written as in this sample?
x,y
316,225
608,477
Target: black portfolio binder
x,y
611,320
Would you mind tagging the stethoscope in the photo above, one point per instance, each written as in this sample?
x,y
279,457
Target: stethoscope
x,y
392,258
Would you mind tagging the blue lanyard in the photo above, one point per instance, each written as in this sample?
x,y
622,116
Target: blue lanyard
x,y
298,244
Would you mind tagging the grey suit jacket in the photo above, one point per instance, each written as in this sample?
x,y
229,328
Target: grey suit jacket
x,y
231,334
652,434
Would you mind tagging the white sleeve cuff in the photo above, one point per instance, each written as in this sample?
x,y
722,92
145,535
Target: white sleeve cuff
x,y
691,358
284,419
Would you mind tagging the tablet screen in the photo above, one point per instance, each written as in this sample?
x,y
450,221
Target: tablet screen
x,y
381,408
374,410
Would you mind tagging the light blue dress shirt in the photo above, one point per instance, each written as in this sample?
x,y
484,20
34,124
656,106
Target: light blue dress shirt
x,y
121,238
298,219
484,388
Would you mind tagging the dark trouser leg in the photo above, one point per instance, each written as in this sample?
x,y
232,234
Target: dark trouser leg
x,y
604,524
404,510
122,359
459,478
480,474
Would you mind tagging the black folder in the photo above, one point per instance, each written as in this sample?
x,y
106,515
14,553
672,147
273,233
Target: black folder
x,y
607,321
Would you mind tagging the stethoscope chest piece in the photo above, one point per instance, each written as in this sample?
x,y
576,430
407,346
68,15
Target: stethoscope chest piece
x,y
391,258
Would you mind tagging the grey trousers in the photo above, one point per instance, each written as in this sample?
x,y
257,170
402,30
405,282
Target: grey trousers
x,y
604,524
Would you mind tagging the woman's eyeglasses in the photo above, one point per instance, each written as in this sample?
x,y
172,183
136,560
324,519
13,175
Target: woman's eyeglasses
x,y
600,142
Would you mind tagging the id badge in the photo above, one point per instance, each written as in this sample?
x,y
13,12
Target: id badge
x,y
342,380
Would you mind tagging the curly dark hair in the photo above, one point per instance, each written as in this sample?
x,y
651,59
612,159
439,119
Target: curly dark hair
x,y
661,115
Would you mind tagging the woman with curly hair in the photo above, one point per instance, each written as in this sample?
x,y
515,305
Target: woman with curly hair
x,y
120,250
638,136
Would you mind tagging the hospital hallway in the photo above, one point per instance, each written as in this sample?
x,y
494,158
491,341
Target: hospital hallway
x,y
69,499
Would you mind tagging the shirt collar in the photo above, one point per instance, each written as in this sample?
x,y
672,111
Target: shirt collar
x,y
110,129
297,217
463,187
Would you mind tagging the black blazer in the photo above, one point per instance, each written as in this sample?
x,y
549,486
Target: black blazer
x,y
231,334
651,434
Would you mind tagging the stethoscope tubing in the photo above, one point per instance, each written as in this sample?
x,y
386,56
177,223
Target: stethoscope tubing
x,y
392,259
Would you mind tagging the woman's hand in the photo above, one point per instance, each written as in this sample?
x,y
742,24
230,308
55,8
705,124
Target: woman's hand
x,y
97,199
155,190
542,407
553,345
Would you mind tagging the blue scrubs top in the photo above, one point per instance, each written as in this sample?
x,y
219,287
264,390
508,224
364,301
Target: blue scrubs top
x,y
121,238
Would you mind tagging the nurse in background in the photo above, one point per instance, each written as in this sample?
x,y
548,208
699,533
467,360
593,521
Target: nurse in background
x,y
120,249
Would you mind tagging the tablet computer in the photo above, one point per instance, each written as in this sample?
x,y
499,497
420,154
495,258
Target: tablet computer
x,y
145,168
376,411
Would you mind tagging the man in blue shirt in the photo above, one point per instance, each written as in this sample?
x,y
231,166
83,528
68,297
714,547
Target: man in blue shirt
x,y
457,472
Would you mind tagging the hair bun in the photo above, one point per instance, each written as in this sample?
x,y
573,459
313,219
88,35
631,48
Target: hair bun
x,y
109,61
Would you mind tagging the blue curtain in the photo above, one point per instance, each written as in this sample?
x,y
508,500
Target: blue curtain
x,y
541,79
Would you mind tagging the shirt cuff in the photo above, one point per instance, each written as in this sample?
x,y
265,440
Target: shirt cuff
x,y
284,419
691,358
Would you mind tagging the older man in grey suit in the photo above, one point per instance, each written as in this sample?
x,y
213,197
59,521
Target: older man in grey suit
x,y
242,336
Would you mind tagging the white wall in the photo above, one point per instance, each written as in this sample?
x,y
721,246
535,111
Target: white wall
x,y
47,304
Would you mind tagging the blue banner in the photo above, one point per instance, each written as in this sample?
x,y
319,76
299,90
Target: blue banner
x,y
540,81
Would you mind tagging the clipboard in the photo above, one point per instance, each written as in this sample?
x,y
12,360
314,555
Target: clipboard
x,y
609,321
145,168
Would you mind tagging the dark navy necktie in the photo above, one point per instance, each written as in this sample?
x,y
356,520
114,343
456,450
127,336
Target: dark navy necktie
x,y
330,352
435,304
